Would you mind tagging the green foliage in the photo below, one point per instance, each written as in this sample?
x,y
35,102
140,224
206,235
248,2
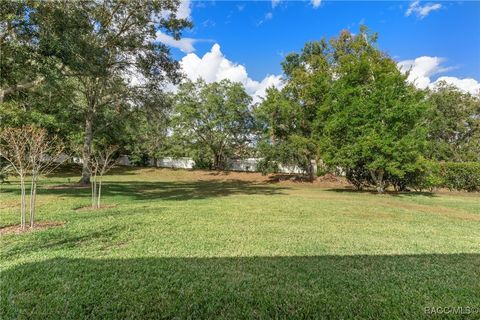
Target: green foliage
x,y
294,151
371,119
461,176
453,123
214,119
5,170
81,69
359,176
285,132
203,161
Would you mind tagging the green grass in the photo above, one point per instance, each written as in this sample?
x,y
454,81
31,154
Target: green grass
x,y
179,246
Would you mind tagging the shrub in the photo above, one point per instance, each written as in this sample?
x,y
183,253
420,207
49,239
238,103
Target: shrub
x,y
267,165
425,177
461,175
323,169
203,163
359,176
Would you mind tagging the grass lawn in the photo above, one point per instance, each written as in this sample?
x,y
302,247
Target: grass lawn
x,y
179,244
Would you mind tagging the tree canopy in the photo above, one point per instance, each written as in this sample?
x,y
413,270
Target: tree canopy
x,y
214,119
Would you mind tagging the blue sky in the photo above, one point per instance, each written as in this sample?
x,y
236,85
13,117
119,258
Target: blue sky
x,y
256,35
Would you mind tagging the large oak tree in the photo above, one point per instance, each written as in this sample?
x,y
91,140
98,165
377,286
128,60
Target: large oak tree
x,y
108,49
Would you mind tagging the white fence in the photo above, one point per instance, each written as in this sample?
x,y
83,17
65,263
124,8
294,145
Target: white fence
x,y
245,165
250,165
178,163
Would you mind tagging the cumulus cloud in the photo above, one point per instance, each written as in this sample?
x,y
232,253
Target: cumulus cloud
x,y
184,44
214,66
184,9
423,68
275,3
422,11
468,84
316,3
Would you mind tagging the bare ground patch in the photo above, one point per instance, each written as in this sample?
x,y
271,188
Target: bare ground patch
x,y
42,225
68,186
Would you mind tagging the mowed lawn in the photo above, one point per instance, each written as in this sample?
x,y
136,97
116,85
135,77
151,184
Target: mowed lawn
x,y
179,244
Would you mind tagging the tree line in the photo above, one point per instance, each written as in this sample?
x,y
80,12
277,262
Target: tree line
x,y
92,74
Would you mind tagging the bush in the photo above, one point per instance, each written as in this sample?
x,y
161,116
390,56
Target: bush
x,y
139,159
425,177
323,169
203,163
359,176
461,175
266,166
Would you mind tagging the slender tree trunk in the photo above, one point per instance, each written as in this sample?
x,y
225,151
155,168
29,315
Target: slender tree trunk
x,y
22,202
87,146
217,161
94,191
99,192
33,200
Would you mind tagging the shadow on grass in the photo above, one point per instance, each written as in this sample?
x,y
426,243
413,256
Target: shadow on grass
x,y
74,171
388,192
57,239
178,190
328,287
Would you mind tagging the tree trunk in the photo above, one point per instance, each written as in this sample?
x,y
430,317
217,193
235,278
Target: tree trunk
x,y
216,162
377,176
99,192
87,146
311,173
22,202
94,192
33,200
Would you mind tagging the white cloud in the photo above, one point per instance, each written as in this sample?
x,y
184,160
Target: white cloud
x,y
184,44
468,84
214,66
422,11
423,68
316,3
184,9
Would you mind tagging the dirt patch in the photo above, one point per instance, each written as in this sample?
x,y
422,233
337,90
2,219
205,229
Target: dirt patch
x,y
69,186
89,207
327,181
42,225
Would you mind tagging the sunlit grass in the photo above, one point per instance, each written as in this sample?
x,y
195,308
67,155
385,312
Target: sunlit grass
x,y
191,244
